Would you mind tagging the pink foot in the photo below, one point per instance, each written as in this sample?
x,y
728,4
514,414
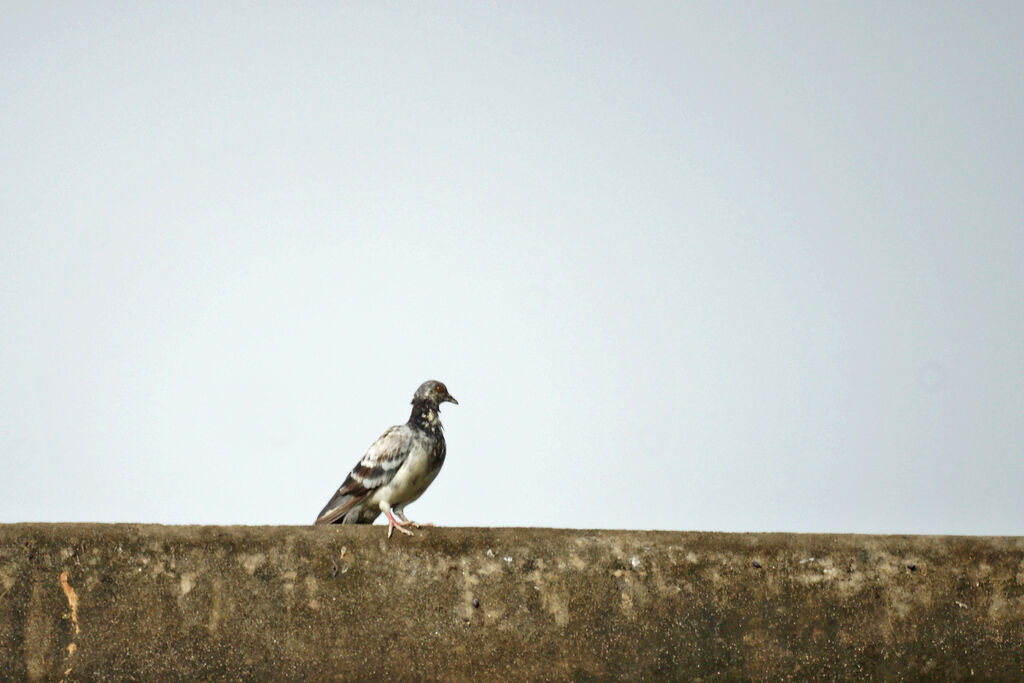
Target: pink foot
x,y
407,522
395,524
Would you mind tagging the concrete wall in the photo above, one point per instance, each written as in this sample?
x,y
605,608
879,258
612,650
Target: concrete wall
x,y
87,601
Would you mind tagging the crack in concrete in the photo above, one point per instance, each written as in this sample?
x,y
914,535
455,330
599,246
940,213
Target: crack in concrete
x,y
72,597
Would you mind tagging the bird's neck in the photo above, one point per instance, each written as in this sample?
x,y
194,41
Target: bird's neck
x,y
425,416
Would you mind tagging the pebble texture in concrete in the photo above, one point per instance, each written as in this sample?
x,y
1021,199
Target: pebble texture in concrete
x,y
147,602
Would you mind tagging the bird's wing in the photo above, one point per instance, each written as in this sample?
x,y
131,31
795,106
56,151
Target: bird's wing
x,y
375,469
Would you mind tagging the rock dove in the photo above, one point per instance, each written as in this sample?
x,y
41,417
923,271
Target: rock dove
x,y
397,468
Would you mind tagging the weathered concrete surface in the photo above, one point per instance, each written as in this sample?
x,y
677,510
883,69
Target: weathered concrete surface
x,y
101,602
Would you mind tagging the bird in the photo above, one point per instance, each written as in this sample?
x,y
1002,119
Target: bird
x,y
396,469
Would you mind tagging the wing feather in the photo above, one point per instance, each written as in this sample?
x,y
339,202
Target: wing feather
x,y
374,470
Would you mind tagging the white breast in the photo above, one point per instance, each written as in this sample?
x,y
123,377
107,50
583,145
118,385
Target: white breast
x,y
409,482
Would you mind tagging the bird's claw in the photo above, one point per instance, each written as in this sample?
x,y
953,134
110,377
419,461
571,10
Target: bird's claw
x,y
395,524
392,527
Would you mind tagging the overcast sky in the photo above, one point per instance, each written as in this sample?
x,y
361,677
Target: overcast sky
x,y
727,266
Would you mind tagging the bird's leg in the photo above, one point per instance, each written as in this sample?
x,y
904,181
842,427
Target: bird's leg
x,y
395,524
401,515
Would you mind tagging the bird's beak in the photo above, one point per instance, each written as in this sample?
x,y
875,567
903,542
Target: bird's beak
x,y
451,399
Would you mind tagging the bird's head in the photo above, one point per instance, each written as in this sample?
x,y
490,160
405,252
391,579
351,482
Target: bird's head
x,y
433,393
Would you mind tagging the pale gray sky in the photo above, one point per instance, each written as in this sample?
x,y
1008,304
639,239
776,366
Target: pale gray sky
x,y
727,266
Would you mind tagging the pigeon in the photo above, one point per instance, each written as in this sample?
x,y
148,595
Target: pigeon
x,y
397,468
